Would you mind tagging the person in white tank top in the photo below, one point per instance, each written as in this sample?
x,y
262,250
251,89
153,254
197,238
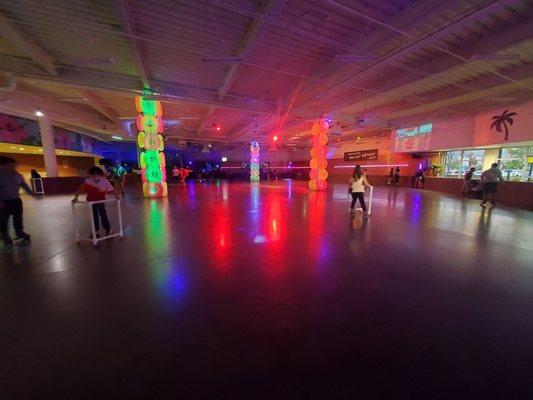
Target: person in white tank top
x,y
358,182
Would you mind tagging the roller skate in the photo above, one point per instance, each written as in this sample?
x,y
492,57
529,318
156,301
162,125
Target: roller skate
x,y
7,241
23,238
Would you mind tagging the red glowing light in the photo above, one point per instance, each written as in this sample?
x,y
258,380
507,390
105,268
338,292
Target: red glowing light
x,y
275,138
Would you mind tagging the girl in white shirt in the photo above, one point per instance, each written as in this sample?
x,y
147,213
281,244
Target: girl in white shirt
x,y
358,182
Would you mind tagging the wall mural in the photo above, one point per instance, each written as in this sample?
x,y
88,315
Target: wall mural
x,y
26,132
502,120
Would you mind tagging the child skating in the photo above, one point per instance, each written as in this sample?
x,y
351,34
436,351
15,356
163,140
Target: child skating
x,y
10,202
96,186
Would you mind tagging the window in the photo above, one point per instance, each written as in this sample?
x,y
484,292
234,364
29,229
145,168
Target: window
x,y
516,163
452,164
473,159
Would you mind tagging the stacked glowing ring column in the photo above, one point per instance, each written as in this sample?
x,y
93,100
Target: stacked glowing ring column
x,y
254,162
151,144
318,164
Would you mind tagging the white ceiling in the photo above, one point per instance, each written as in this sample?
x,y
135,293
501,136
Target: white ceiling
x,y
83,61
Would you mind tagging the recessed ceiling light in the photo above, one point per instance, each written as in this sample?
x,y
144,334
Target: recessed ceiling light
x,y
39,113
21,148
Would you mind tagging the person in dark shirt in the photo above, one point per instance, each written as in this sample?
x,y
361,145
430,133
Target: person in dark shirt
x,y
10,203
489,184
467,182
397,176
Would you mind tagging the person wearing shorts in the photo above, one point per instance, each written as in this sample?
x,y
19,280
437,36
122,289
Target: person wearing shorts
x,y
489,184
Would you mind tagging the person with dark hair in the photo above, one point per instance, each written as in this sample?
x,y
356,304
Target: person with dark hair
x,y
118,176
97,187
35,174
489,184
10,203
467,181
396,176
358,182
391,176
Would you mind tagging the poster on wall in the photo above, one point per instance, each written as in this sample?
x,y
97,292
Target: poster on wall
x,y
24,131
415,138
361,155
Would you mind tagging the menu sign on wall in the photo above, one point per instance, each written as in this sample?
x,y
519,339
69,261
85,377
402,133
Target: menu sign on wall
x,y
414,138
361,155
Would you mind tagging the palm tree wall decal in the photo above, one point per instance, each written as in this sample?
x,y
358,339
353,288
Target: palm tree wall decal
x,y
503,120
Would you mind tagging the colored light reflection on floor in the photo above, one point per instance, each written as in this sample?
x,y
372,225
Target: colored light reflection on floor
x,y
167,272
316,221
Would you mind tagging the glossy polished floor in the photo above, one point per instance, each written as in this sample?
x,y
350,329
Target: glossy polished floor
x,y
248,292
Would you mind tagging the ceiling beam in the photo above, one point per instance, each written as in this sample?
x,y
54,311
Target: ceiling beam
x,y
25,104
250,39
99,105
124,16
501,90
81,78
428,41
441,70
25,45
205,120
238,9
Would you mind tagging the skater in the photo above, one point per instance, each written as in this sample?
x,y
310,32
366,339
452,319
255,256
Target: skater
x,y
396,176
357,183
10,203
176,173
489,184
391,176
97,187
118,176
467,182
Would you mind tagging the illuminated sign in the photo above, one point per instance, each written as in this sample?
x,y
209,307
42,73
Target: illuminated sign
x,y
414,138
361,155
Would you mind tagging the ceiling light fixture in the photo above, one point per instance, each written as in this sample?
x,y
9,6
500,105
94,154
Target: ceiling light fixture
x,y
355,57
116,137
39,113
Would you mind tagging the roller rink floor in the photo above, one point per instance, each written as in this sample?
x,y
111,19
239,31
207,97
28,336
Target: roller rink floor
x,y
269,291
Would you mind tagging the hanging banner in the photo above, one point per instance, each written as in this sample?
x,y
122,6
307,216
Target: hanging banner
x,y
361,155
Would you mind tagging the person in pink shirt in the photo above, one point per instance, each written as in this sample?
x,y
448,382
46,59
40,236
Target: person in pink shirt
x,y
96,186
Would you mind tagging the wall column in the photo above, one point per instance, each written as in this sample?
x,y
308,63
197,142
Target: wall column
x,y
491,156
49,151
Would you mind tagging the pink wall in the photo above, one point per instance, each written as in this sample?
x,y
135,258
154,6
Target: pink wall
x,y
520,131
386,157
452,133
474,131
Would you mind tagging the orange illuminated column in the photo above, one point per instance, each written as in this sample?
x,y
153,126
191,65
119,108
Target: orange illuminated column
x,y
318,164
151,145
